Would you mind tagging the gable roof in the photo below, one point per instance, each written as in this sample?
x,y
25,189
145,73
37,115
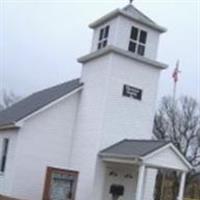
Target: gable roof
x,y
36,101
146,150
132,13
133,148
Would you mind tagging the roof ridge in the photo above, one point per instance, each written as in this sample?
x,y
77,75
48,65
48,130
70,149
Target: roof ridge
x,y
140,12
137,16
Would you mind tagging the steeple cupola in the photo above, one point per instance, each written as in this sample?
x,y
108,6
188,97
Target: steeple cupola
x,y
127,29
120,76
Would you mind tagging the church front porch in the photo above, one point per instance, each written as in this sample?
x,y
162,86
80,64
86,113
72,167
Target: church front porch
x,y
132,177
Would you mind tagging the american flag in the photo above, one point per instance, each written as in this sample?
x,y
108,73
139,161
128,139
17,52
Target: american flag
x,y
176,72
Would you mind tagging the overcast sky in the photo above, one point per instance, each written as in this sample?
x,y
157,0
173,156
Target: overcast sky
x,y
41,40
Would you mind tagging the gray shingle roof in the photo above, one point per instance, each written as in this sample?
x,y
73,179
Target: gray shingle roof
x,y
135,13
36,101
133,148
132,13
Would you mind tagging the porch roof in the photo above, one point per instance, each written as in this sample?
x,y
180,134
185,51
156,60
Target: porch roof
x,y
153,153
133,148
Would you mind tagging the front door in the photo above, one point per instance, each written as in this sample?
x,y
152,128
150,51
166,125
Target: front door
x,y
120,182
60,184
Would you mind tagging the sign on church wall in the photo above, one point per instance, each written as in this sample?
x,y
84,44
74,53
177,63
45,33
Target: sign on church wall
x,y
60,184
132,92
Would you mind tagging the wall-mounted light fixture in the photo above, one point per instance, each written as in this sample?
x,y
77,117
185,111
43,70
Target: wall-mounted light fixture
x,y
112,173
128,176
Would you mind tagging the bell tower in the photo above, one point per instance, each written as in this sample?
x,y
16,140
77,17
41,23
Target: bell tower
x,y
120,76
129,30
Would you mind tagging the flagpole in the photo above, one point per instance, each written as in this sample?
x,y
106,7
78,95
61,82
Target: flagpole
x,y
174,91
175,79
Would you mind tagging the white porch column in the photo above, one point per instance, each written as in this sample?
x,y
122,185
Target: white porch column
x,y
140,182
182,186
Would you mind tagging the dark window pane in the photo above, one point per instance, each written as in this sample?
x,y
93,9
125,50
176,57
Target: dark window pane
x,y
99,45
141,49
104,43
134,33
4,154
143,37
106,32
101,34
132,47
3,163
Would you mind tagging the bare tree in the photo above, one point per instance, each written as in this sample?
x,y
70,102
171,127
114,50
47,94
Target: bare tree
x,y
179,122
8,98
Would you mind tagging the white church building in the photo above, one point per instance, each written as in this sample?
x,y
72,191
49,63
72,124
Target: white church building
x,y
91,138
